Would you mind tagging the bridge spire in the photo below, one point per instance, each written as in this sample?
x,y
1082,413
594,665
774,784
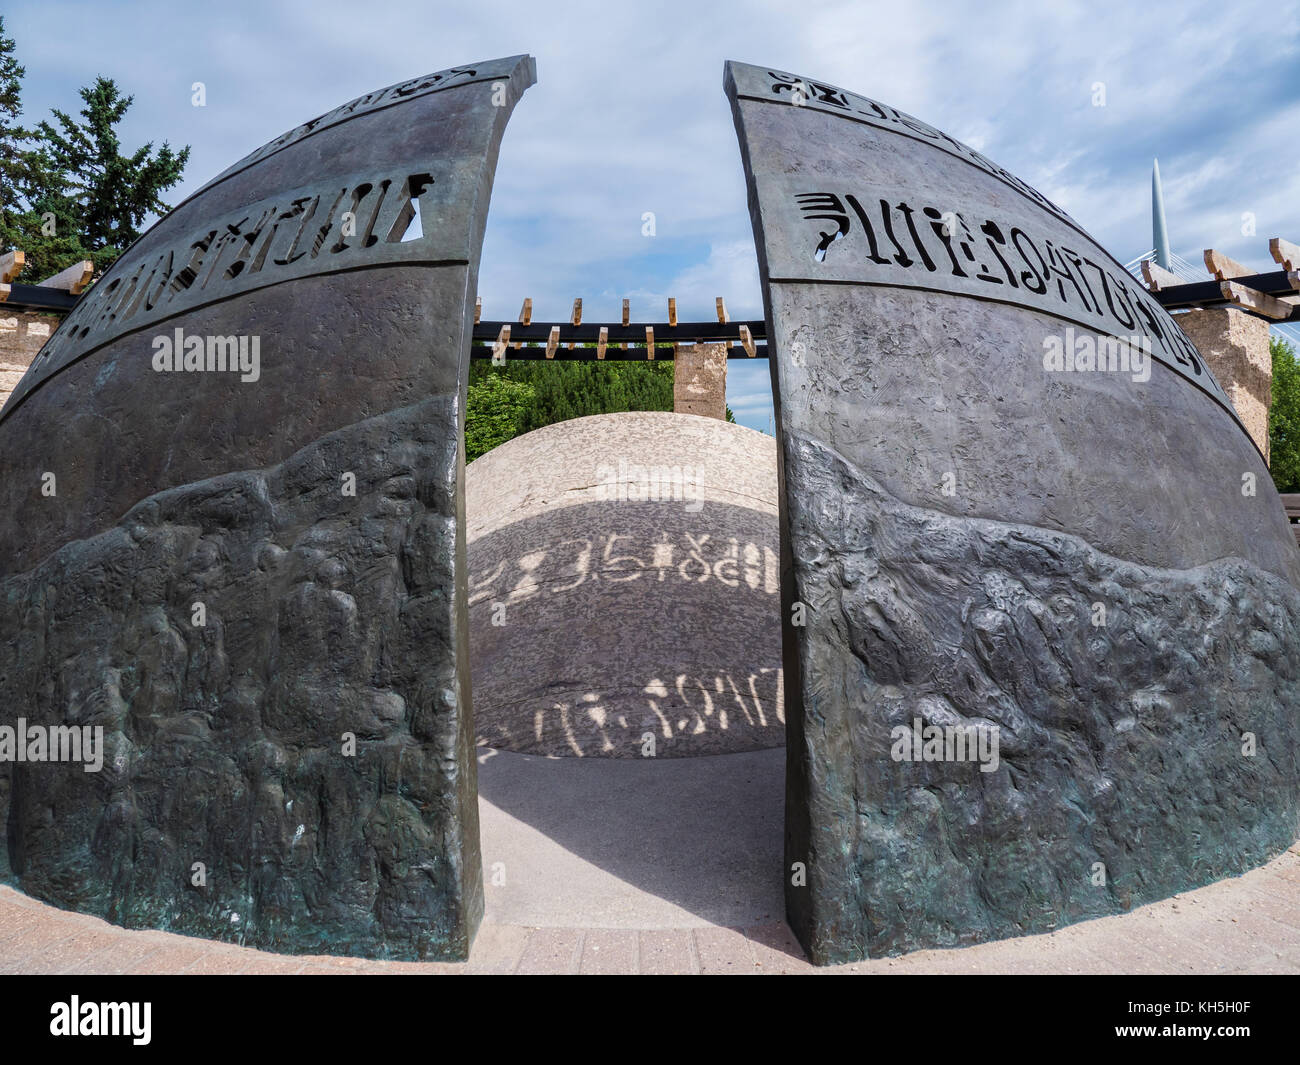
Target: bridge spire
x,y
1159,233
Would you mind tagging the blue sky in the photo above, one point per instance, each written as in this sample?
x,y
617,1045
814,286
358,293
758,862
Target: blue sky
x,y
628,116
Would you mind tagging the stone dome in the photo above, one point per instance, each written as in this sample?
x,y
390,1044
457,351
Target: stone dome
x,y
624,583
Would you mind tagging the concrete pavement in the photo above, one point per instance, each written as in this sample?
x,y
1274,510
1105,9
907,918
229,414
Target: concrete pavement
x,y
1250,924
618,866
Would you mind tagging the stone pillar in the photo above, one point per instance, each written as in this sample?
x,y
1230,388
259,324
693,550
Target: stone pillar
x,y
1235,345
700,380
21,337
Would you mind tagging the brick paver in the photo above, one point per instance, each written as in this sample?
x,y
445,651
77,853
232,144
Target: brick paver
x,y
667,952
609,952
552,950
724,950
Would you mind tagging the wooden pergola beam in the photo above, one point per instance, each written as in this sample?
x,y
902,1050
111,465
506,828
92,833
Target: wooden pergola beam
x,y
747,340
1157,277
525,315
576,317
11,265
1258,302
1288,255
1223,268
73,280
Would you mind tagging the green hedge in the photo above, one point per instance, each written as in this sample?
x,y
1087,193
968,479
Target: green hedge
x,y
1284,418
505,401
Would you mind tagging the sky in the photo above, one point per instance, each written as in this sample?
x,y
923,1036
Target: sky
x,y
628,117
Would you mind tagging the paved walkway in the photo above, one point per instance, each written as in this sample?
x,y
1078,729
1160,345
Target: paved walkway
x,y
1250,924
630,843
624,866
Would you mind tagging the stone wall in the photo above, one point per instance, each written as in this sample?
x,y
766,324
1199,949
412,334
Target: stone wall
x,y
700,380
21,337
1235,344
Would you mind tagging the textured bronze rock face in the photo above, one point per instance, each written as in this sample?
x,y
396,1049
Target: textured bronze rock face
x,y
233,540
1088,568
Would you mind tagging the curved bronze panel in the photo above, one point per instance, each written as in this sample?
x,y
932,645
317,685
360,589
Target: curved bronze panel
x,y
232,544
1083,571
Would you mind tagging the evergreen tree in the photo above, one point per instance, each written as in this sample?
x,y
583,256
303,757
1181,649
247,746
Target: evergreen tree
x,y
95,192
1284,417
14,165
68,193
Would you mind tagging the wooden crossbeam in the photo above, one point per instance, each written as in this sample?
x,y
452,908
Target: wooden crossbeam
x,y
525,316
1258,302
683,332
1288,255
550,340
499,348
72,280
1223,268
576,317
1285,253
11,265
747,340
613,354
4,293
1157,277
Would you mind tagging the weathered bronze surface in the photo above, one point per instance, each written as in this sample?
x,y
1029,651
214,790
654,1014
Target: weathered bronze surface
x,y
233,540
1088,567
